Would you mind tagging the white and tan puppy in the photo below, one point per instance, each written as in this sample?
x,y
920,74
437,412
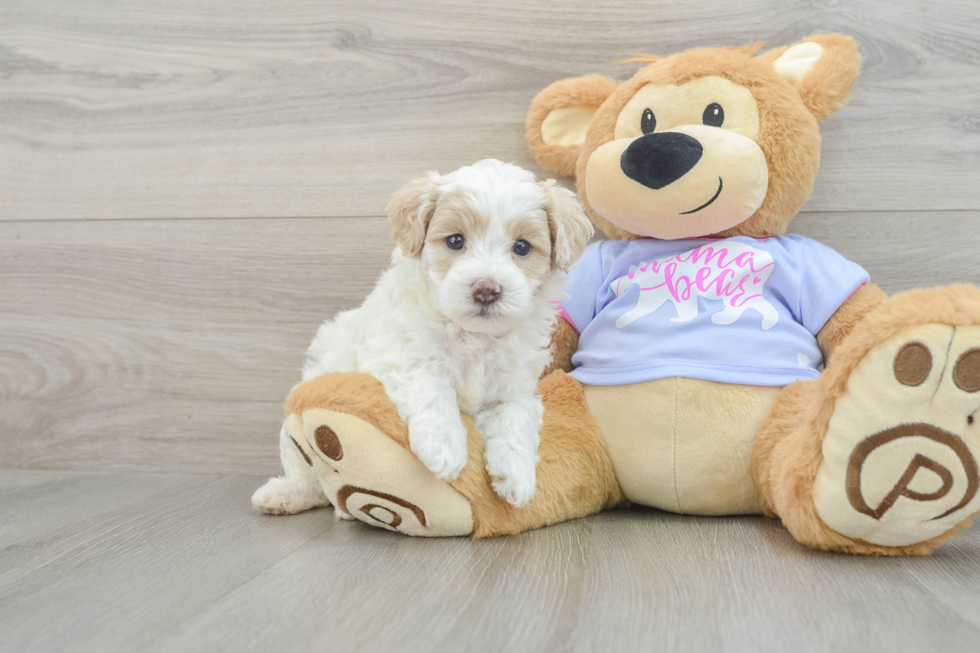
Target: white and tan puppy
x,y
460,321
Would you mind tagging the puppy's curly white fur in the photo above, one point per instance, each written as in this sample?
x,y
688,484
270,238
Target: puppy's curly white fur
x,y
460,321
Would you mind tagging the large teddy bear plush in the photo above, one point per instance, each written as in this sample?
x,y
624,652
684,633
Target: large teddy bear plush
x,y
687,357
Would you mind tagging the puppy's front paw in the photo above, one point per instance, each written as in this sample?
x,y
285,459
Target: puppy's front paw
x,y
440,446
512,471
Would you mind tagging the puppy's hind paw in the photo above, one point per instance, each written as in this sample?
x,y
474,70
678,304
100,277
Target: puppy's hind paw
x,y
286,496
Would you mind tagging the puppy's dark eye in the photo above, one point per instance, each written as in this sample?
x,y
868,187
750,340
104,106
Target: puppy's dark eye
x,y
648,122
522,247
713,116
456,241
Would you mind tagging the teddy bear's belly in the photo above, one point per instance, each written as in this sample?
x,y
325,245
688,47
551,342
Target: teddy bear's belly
x,y
684,445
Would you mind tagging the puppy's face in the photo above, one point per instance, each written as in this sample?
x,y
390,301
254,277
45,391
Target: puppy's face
x,y
489,238
486,263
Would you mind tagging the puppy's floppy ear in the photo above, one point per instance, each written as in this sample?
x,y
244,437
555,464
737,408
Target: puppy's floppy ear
x,y
570,228
410,210
822,68
559,119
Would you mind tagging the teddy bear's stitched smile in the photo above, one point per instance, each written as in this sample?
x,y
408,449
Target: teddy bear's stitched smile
x,y
709,202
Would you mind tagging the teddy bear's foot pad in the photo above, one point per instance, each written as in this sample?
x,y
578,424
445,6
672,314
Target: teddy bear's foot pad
x,y
900,457
371,478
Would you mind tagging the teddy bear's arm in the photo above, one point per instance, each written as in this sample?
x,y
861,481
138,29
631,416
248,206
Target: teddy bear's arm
x,y
844,319
564,342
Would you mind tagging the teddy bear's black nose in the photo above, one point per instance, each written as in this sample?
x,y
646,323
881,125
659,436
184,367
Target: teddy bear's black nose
x,y
658,159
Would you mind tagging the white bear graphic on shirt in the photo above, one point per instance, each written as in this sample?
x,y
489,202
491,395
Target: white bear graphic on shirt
x,y
728,270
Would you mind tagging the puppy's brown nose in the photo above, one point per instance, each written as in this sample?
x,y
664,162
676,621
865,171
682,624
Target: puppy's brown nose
x,y
486,292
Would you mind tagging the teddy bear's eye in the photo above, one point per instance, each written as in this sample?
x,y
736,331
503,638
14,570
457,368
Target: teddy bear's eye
x,y
713,116
648,122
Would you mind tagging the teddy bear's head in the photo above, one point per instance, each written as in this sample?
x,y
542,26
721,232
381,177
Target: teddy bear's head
x,y
718,141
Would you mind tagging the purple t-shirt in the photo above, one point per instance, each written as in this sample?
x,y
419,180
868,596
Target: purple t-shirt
x,y
739,310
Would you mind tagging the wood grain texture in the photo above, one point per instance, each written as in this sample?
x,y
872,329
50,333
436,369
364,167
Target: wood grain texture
x,y
108,563
140,333
142,345
140,562
162,345
310,108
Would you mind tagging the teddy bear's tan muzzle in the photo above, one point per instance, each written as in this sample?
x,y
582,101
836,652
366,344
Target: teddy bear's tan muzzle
x,y
689,181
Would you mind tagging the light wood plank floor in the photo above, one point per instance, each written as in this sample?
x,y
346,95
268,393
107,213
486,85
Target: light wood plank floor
x,y
188,187
95,562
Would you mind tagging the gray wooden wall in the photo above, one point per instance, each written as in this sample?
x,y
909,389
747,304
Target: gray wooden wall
x,y
187,187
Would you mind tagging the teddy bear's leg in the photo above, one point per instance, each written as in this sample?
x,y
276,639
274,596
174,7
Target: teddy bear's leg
x,y
350,433
575,476
880,454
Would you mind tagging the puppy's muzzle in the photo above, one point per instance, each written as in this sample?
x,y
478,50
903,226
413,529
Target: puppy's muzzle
x,y
656,160
486,292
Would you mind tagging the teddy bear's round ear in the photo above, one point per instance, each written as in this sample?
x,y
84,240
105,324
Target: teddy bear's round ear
x,y
559,119
822,68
